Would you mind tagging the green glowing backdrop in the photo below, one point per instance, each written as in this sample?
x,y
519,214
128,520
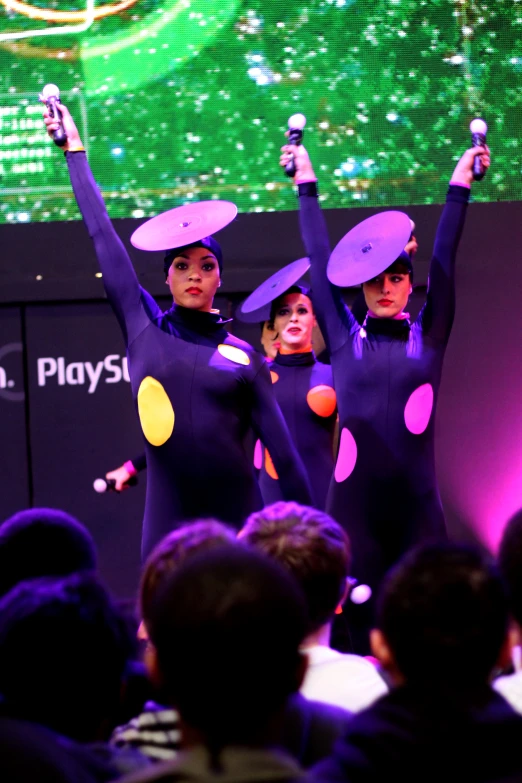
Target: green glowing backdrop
x,y
181,100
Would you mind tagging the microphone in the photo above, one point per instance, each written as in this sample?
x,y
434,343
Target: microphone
x,y
51,96
359,593
296,124
109,485
478,130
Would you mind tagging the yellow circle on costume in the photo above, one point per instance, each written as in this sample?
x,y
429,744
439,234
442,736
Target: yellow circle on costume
x,y
274,376
155,411
234,354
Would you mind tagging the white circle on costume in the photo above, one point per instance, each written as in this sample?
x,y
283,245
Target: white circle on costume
x,y
234,354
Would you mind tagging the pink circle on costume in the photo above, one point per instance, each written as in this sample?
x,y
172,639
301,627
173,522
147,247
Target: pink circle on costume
x,y
347,456
418,409
258,455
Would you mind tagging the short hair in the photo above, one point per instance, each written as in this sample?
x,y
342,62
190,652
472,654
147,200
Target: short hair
x,y
443,611
64,648
42,542
213,626
312,546
510,563
173,550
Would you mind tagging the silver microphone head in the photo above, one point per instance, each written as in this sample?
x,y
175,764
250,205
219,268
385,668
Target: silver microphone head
x,y
51,91
360,594
478,126
100,485
297,122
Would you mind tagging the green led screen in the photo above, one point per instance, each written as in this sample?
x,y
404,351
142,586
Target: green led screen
x,y
181,100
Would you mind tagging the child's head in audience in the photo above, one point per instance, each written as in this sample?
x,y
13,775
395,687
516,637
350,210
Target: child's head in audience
x,y
442,618
212,628
63,653
43,542
312,546
171,552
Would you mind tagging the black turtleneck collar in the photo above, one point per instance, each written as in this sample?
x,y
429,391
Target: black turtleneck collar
x,y
197,319
295,359
394,327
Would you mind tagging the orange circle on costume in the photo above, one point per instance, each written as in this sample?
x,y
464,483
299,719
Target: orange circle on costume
x,y
234,354
52,15
322,400
269,466
274,376
155,411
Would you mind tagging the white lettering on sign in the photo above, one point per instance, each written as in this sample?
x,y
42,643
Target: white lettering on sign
x,y
113,369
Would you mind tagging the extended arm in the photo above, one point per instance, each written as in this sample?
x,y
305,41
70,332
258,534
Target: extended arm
x,y
437,315
270,427
332,314
119,277
128,470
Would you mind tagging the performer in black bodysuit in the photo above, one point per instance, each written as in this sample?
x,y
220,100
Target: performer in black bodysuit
x,y
387,376
304,390
198,390
122,475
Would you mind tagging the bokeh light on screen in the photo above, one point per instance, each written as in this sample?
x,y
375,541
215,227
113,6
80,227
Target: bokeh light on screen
x,y
181,100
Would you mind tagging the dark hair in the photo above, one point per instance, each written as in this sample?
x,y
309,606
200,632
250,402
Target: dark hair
x,y
209,242
173,550
312,546
443,611
510,563
63,652
227,629
294,289
402,265
43,542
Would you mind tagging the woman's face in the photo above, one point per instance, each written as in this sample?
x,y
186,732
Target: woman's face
x,y
193,278
270,340
294,321
387,294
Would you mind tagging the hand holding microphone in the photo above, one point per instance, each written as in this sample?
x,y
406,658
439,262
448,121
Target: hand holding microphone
x,y
51,97
296,125
294,157
60,125
117,480
478,130
111,485
474,162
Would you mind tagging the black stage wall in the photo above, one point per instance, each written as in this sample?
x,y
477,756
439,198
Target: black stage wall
x,y
65,410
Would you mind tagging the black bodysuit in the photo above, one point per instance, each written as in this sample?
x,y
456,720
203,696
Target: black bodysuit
x,y
387,376
197,389
304,390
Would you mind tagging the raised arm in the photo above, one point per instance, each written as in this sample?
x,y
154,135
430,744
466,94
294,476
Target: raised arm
x,y
271,429
335,319
438,313
119,277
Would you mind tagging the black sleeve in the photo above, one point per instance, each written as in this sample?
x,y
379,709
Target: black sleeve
x,y
119,277
334,317
271,429
436,317
140,462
